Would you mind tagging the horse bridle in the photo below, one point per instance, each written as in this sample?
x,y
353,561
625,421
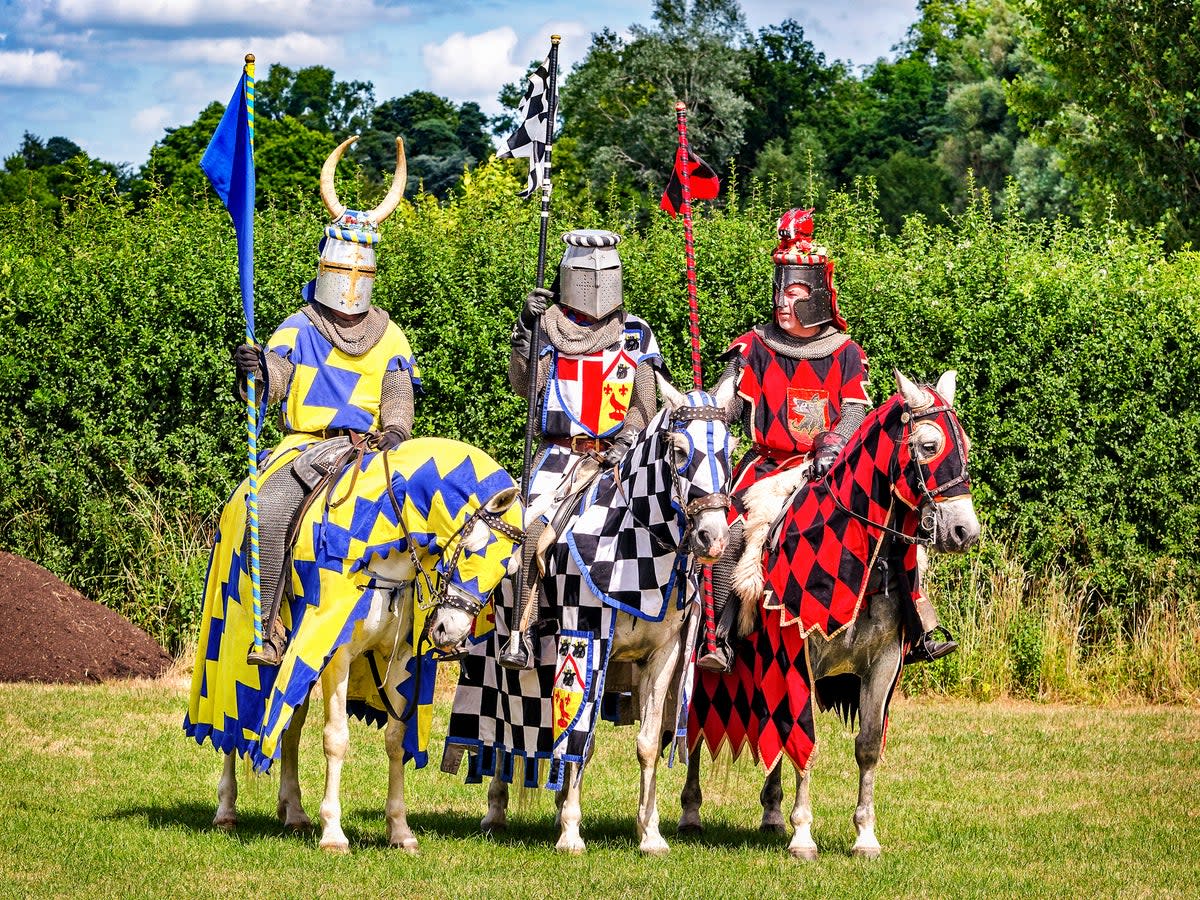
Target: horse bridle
x,y
716,500
928,525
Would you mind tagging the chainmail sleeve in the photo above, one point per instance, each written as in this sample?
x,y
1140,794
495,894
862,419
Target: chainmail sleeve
x,y
851,417
279,375
396,403
643,403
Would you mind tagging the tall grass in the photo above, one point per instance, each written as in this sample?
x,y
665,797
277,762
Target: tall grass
x,y
1040,633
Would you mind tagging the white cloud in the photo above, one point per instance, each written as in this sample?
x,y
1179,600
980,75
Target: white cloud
x,y
30,68
151,120
295,49
175,14
473,65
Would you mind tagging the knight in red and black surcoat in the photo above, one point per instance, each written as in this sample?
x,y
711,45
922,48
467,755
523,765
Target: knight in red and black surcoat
x,y
802,383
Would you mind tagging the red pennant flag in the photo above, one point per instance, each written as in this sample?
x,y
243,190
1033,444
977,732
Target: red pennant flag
x,y
701,177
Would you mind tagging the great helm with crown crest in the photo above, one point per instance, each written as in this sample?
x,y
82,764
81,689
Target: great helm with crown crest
x,y
346,270
797,259
589,276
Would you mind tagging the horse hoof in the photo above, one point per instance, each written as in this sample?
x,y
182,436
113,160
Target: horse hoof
x,y
225,823
408,845
690,829
571,848
299,828
491,827
337,848
772,828
867,852
655,849
809,854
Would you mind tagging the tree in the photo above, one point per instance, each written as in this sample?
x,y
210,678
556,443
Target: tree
x,y
788,85
1118,99
617,103
315,99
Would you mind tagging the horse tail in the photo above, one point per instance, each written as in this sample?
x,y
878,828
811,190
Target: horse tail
x,y
840,693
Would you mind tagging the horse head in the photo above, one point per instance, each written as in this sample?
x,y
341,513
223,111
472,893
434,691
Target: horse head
x,y
933,461
697,426
473,562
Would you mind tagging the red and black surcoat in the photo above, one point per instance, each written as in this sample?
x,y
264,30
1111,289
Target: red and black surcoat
x,y
788,402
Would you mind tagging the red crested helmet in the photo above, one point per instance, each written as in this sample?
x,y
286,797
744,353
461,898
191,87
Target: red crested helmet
x,y
797,259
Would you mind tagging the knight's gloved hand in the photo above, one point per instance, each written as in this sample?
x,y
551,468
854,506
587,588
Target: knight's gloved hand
x,y
614,454
389,439
247,360
536,302
827,445
521,336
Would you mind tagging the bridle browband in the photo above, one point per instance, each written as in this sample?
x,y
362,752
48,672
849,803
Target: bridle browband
x,y
928,524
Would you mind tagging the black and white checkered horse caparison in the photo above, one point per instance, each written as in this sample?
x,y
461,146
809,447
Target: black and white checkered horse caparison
x,y
624,550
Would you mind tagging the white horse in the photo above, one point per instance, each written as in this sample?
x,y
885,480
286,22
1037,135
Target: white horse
x,y
918,444
668,497
445,537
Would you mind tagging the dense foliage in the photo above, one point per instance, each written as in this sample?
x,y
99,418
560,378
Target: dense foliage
x,y
1076,347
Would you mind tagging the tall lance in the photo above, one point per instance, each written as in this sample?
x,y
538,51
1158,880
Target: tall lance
x,y
252,415
685,180
516,655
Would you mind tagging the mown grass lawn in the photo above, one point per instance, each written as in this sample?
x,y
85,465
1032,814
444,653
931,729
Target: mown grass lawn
x,y
101,795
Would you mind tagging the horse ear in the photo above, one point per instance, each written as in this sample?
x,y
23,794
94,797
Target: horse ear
x,y
503,500
724,393
913,395
946,384
673,397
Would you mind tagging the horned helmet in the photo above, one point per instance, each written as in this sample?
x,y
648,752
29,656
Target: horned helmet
x,y
346,270
797,259
589,276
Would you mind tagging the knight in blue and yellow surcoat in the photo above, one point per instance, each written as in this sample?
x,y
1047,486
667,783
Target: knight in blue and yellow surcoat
x,y
339,368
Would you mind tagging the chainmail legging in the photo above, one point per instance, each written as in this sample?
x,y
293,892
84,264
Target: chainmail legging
x,y
279,498
725,601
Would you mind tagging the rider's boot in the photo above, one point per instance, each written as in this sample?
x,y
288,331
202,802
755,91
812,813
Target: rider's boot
x,y
927,648
719,656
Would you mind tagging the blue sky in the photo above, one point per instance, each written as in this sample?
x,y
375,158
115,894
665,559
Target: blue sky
x,y
112,74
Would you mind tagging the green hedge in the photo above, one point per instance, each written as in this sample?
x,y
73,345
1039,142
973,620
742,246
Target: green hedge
x,y
1076,349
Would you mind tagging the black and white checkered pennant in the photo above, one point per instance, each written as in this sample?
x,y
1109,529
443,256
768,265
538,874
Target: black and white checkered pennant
x,y
529,140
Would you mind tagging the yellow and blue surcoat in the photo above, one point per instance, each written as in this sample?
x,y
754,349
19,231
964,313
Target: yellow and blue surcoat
x,y
438,484
329,389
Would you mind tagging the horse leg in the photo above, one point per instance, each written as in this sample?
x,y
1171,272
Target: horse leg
x,y
868,745
289,809
771,799
802,846
226,817
657,673
496,818
569,811
691,797
399,834
337,740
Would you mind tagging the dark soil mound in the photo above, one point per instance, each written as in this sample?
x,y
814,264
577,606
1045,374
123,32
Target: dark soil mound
x,y
51,632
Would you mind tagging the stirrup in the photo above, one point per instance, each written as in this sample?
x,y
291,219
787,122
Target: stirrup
x,y
273,648
927,650
715,661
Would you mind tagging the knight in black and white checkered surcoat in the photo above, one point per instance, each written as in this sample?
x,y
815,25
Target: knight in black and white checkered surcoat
x,y
596,362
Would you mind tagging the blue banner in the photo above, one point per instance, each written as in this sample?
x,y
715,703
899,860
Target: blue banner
x,y
229,164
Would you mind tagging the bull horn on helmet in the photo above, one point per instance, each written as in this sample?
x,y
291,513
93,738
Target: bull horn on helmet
x,y
328,194
399,181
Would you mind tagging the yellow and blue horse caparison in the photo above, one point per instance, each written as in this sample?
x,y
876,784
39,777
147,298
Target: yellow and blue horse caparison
x,y
438,484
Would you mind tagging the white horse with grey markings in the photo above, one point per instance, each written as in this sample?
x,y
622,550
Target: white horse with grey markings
x,y
831,607
392,566
615,590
